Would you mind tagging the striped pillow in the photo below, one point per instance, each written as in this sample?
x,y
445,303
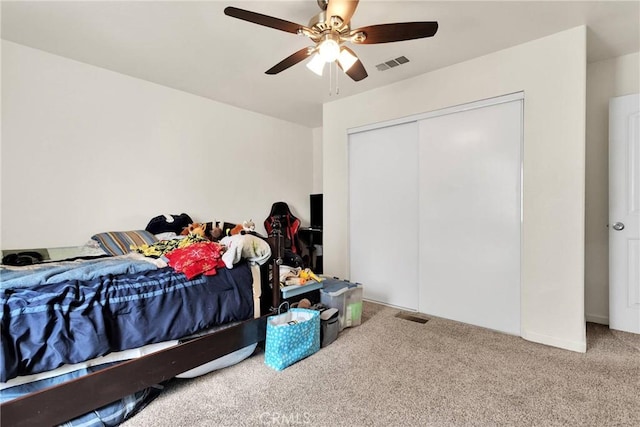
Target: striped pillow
x,y
120,242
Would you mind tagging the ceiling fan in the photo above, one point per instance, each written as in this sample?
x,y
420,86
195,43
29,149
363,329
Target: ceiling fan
x,y
330,30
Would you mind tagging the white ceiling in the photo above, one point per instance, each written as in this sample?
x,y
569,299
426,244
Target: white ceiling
x,y
194,47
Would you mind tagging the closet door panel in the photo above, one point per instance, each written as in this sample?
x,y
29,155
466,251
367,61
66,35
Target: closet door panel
x,y
470,168
383,213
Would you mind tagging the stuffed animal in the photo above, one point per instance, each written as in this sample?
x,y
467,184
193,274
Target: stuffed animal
x,y
303,303
236,230
307,274
246,226
195,228
216,234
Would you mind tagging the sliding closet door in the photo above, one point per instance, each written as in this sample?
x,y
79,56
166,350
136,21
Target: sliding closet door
x,y
470,168
383,213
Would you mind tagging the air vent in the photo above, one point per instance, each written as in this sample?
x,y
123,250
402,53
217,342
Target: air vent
x,y
392,63
412,317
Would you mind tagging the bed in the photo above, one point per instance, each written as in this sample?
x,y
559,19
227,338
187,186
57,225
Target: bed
x,y
108,338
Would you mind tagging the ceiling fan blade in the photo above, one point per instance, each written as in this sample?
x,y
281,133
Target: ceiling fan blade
x,y
356,71
260,19
385,33
289,61
342,8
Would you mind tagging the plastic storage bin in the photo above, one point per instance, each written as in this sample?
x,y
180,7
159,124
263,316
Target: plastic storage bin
x,y
346,297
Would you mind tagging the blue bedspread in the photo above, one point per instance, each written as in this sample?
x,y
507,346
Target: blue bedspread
x,y
46,326
75,270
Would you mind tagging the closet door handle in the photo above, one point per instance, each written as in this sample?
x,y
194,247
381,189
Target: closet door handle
x,y
618,226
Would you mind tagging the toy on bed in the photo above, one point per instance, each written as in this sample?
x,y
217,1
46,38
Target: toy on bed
x,y
249,226
209,230
245,227
195,228
214,232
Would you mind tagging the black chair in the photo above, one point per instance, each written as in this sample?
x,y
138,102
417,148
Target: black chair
x,y
289,226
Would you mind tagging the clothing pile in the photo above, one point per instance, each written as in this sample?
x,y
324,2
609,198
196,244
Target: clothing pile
x,y
197,258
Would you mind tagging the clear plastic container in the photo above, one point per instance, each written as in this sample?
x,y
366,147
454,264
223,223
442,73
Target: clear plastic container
x,y
346,297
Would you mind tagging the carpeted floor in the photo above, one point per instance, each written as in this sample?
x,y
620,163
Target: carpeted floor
x,y
395,372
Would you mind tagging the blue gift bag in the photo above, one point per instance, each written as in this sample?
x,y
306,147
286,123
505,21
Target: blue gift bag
x,y
291,336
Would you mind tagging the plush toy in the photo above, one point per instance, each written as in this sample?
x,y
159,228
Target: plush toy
x,y
248,226
236,230
307,274
303,303
195,228
216,234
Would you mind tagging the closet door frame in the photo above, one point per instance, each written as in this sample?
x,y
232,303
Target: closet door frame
x,y
516,96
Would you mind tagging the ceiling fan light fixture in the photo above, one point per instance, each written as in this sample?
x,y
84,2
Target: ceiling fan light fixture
x,y
329,50
316,64
346,59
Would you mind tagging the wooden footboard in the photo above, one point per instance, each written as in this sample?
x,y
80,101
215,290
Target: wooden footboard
x,y
66,401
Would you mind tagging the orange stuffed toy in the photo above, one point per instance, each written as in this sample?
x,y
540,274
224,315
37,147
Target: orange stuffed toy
x,y
195,228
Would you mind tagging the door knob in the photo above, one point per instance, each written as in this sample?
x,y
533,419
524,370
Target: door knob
x,y
618,226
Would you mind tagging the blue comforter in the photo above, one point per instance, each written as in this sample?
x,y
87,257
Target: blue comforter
x,y
73,270
46,326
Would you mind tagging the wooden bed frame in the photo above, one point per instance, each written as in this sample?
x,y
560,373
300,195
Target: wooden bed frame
x,y
58,404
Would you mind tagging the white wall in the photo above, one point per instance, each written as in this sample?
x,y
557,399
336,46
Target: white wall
x,y
317,160
86,150
552,73
605,79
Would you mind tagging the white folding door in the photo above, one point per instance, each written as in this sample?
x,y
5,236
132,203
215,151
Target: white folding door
x,y
450,189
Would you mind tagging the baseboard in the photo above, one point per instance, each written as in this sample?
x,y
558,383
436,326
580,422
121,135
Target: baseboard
x,y
596,318
580,347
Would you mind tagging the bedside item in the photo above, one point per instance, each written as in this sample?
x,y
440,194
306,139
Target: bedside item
x,y
19,259
346,297
329,325
291,337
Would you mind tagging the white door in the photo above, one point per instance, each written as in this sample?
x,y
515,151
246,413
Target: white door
x,y
383,213
624,213
470,202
